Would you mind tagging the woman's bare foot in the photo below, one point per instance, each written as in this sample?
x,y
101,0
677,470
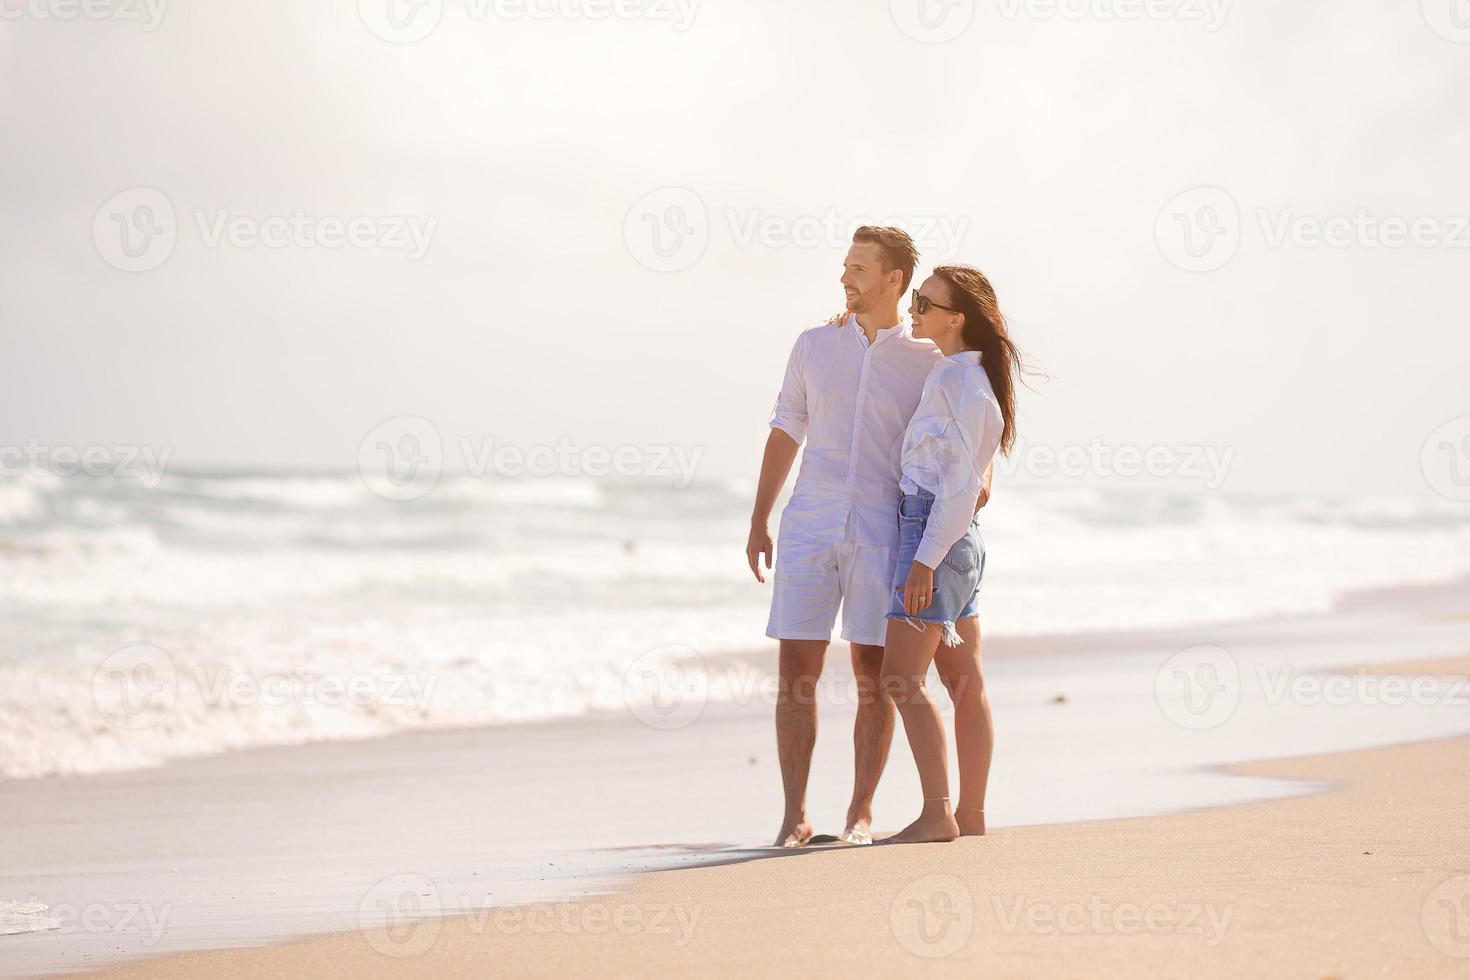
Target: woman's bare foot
x,y
935,825
794,834
971,821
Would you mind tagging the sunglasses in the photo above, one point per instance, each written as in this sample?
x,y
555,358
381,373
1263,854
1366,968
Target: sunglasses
x,y
922,304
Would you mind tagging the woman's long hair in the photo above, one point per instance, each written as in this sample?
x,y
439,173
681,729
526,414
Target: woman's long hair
x,y
985,331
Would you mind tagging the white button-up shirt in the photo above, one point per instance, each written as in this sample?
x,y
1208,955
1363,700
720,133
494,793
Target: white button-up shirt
x,y
949,444
849,402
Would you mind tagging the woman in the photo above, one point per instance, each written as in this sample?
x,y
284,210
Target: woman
x,y
965,415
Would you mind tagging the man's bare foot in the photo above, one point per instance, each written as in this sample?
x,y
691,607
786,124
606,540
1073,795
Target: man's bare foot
x,y
931,827
795,834
971,821
859,831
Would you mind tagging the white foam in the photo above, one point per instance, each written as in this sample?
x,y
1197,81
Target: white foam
x,y
521,605
22,917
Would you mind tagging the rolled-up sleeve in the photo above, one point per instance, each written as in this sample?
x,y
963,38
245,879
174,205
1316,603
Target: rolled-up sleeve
x,y
969,444
789,415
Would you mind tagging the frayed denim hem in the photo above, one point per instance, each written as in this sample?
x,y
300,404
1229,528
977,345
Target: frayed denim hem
x,y
951,636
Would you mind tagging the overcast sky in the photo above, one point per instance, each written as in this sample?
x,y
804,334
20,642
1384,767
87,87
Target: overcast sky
x,y
609,230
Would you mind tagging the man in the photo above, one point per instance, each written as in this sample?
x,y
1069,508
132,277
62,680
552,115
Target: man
x,y
850,389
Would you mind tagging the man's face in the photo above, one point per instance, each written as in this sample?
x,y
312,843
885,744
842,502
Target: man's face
x,y
863,278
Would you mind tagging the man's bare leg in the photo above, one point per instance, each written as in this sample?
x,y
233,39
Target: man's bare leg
x,y
872,735
796,732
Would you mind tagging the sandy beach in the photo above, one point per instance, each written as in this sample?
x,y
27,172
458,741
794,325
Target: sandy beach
x,y
1372,879
1129,831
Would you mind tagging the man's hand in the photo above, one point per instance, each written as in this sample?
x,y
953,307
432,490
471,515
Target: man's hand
x,y
918,591
759,544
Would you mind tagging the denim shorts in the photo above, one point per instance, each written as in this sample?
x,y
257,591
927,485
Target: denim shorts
x,y
956,580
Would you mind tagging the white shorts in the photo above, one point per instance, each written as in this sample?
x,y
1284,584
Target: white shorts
x,y
813,577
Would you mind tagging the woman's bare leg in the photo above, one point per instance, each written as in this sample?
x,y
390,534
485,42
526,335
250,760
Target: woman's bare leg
x,y
974,731
906,658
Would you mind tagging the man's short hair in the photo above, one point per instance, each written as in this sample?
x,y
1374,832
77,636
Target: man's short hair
x,y
895,248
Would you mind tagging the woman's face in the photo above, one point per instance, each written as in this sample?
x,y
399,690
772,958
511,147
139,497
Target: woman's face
x,y
936,323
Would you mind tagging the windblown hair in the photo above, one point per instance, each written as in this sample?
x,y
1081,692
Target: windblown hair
x,y
895,248
985,330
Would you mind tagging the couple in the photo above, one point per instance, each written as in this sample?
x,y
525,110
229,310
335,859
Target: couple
x,y
901,421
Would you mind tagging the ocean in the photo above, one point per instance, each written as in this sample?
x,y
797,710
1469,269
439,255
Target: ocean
x,y
223,610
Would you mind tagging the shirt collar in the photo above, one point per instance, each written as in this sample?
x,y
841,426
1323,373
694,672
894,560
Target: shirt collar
x,y
901,327
967,357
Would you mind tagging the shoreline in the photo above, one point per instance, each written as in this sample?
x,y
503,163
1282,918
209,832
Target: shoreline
x,y
979,902
288,841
